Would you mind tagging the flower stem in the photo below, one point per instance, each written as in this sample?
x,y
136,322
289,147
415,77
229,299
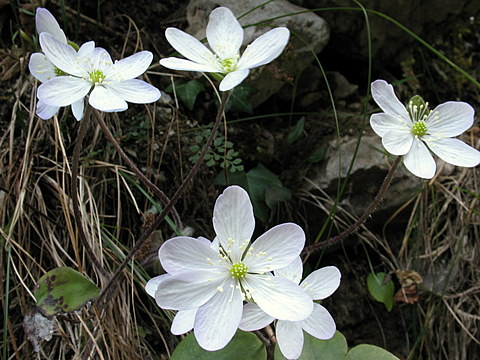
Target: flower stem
x,y
75,203
370,209
108,289
134,167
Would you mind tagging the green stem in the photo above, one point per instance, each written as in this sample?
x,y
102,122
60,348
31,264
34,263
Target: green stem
x,y
108,289
370,209
134,167
76,207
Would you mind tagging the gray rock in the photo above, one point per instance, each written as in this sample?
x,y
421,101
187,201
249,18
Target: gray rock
x,y
311,35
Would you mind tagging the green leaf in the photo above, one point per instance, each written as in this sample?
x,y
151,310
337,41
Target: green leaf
x,y
296,131
275,195
63,290
337,349
317,155
240,99
380,289
189,91
244,345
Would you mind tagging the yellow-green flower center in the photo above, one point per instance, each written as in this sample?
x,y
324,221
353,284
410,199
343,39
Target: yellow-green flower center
x,y
229,64
419,128
239,270
97,76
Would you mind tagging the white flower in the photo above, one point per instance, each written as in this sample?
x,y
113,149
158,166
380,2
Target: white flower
x,y
225,36
318,285
92,72
415,130
43,70
211,282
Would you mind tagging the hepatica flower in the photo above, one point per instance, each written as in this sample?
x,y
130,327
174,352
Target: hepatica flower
x,y
209,283
225,37
414,131
91,72
319,285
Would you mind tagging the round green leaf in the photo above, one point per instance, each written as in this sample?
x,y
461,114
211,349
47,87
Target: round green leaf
x,y
244,345
63,290
364,351
380,289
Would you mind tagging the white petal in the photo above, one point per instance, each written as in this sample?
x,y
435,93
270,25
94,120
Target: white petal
x,y
132,66
218,320
233,220
183,321
41,68
419,161
186,255
322,283
384,96
320,324
105,100
275,249
78,108
279,297
190,47
63,90
86,50
46,22
63,56
450,119
134,91
265,48
152,285
232,79
224,33
176,294
454,151
383,123
398,142
98,60
254,318
290,338
292,272
45,111
187,65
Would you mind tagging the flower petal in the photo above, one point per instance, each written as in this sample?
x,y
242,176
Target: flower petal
x,y
233,221
187,65
292,272
191,48
63,90
134,91
176,294
183,321
63,56
78,108
419,161
320,324
41,68
218,320
132,66
254,318
98,60
454,151
384,96
46,22
383,123
103,99
450,119
279,297
224,33
265,48
290,338
45,111
232,79
275,249
398,142
188,258
152,285
322,283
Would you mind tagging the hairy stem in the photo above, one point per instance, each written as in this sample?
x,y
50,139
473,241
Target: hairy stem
x,y
134,167
144,236
371,208
75,203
